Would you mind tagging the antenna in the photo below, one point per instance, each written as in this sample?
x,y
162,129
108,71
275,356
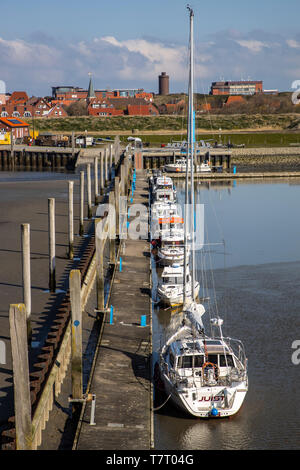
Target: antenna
x,y
190,9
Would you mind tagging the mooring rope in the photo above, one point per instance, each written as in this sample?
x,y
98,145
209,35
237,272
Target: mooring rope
x,y
159,407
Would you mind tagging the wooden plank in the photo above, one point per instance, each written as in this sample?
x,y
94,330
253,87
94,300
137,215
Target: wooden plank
x,y
112,228
51,235
71,220
76,313
18,334
101,233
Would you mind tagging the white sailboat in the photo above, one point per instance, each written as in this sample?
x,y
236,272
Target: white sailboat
x,y
204,375
180,167
171,286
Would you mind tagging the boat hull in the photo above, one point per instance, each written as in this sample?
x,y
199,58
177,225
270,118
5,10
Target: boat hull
x,y
175,300
202,407
182,169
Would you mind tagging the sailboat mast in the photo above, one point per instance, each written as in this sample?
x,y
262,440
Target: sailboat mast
x,y
192,147
187,166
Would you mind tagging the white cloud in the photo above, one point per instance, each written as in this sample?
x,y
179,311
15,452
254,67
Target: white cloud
x,y
293,44
158,57
252,44
36,65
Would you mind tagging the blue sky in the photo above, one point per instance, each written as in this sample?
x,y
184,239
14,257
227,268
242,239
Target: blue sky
x,y
127,43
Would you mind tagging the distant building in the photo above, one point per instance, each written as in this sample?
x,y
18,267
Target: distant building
x,y
242,87
163,84
18,128
19,105
56,111
271,92
75,93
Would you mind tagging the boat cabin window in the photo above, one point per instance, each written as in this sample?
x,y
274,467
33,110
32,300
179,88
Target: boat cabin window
x,y
213,358
186,362
229,360
172,280
172,359
162,197
165,186
198,360
176,243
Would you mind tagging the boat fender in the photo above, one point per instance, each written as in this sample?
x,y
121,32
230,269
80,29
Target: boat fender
x,y
214,411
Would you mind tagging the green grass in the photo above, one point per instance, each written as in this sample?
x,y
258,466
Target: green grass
x,y
255,139
176,124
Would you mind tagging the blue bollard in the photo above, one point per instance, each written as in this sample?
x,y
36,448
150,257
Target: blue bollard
x,y
144,320
111,318
120,264
234,170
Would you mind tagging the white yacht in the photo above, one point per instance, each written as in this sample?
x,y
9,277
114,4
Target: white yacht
x,y
180,167
171,286
205,376
170,248
163,182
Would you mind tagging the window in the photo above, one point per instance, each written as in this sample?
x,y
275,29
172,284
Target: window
x,y
27,114
229,359
172,359
172,280
185,362
198,360
213,358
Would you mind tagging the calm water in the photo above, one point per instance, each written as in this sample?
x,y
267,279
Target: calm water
x,y
256,280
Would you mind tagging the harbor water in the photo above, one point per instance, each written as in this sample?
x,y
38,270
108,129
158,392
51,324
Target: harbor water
x,y
252,244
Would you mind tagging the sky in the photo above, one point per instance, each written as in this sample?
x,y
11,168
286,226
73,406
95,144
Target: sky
x,y
128,43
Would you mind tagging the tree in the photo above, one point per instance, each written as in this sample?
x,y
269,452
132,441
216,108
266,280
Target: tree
x,y
78,108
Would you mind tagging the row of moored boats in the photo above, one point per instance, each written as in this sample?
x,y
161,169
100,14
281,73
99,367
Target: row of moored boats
x,y
203,372
204,375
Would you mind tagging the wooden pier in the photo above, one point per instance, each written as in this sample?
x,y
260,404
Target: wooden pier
x,y
122,379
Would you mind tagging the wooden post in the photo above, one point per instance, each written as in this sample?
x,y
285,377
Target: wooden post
x,y
117,204
89,191
99,268
112,228
101,174
106,165
123,180
51,235
110,160
96,180
76,313
81,227
25,231
12,153
73,145
17,323
126,176
71,221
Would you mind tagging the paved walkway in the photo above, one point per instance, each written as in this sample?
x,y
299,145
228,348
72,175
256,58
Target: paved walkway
x,y
121,379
